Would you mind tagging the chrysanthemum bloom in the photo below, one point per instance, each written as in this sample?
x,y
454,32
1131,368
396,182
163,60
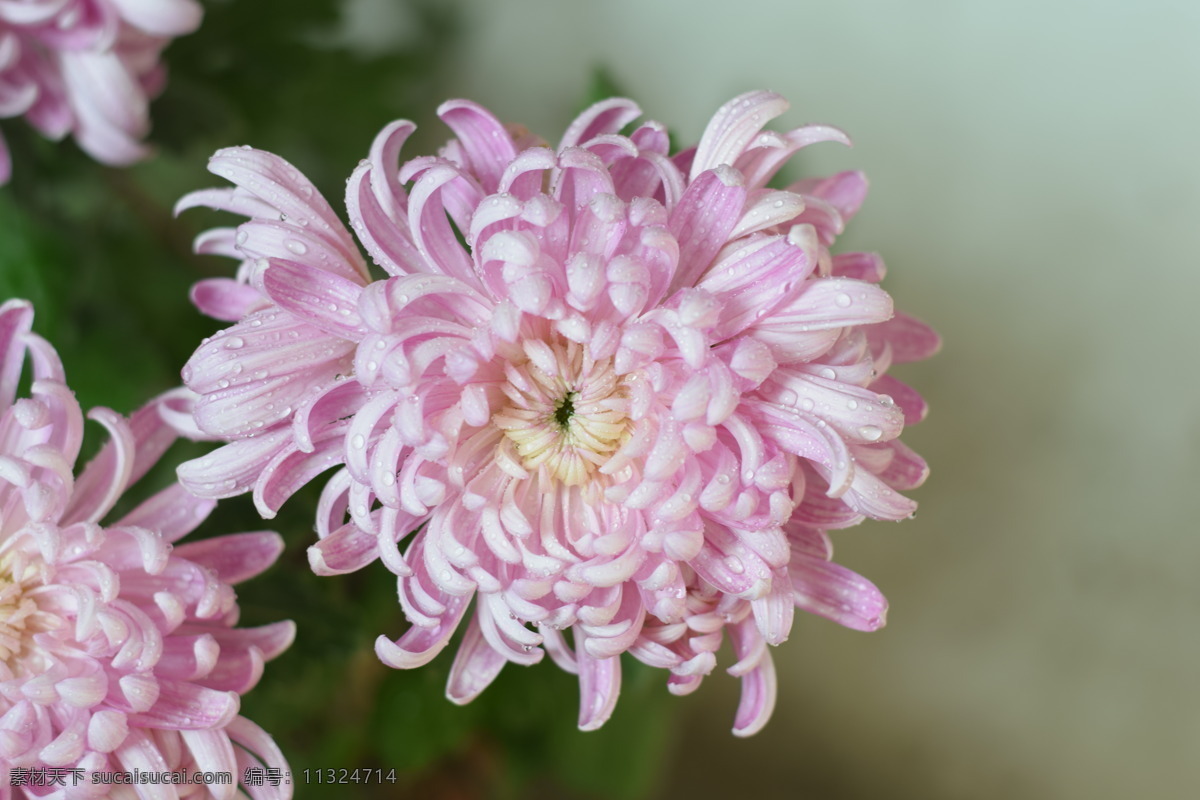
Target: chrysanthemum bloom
x,y
117,650
87,67
603,389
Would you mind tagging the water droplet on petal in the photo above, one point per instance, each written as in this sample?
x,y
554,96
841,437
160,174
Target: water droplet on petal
x,y
234,343
853,404
296,246
735,565
807,404
843,300
358,442
870,432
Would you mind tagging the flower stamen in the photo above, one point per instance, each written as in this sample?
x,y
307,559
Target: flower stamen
x,y
569,422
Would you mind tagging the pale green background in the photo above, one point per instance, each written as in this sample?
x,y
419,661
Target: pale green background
x,y
1035,192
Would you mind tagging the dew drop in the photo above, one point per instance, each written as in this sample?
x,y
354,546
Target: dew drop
x,y
241,237
853,404
358,442
735,565
221,384
870,432
296,246
843,300
828,373
807,404
234,343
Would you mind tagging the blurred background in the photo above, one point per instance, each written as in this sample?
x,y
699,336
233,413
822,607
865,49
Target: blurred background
x,y
1029,161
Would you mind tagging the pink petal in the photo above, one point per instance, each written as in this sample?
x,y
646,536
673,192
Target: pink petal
x,y
387,240
487,145
845,191
599,687
225,299
276,182
733,128
607,116
759,685
185,706
172,513
907,470
476,665
752,280
908,337
830,590
213,752
348,549
167,18
316,296
759,164
859,266
16,319
232,469
703,219
582,176
236,557
419,645
431,229
107,475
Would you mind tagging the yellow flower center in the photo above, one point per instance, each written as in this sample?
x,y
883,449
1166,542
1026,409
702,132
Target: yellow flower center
x,y
15,612
567,413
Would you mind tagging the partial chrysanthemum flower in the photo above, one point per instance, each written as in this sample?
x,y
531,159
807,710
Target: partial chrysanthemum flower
x,y
604,389
87,68
118,649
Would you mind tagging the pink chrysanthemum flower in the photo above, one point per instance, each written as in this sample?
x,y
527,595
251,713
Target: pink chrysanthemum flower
x,y
604,389
87,67
117,651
